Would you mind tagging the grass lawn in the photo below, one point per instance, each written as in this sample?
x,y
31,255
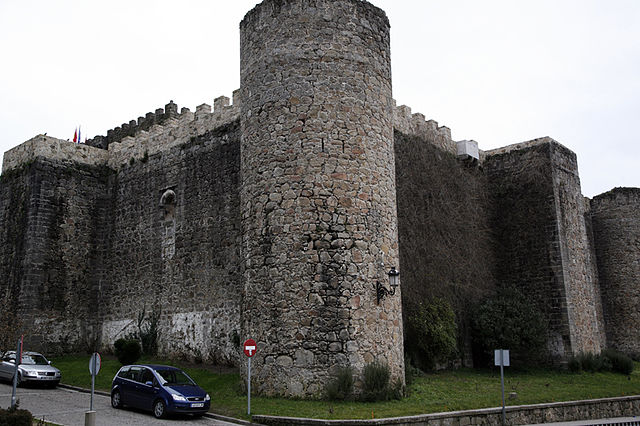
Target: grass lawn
x,y
445,391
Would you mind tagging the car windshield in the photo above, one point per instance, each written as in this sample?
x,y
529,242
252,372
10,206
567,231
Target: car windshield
x,y
175,377
34,359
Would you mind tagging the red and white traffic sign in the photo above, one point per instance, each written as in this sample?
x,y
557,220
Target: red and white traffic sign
x,y
249,347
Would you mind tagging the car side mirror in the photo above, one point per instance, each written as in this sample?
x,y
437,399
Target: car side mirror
x,y
149,383
49,362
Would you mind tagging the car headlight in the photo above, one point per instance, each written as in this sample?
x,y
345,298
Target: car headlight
x,y
30,373
207,398
178,397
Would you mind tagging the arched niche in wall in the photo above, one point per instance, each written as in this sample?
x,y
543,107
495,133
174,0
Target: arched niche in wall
x,y
168,210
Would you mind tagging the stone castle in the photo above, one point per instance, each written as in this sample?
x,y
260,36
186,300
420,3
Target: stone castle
x,y
273,217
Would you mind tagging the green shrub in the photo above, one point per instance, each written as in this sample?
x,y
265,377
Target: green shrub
x,y
431,335
128,351
620,363
607,360
410,371
575,365
341,387
398,389
510,321
16,417
591,362
376,382
148,331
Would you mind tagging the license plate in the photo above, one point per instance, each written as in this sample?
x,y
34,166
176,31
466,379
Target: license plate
x,y
197,405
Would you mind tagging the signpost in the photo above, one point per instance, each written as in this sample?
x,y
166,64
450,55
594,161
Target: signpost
x,y
249,348
15,375
94,367
501,358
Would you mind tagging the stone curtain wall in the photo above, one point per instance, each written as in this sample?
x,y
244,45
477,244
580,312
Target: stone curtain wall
x,y
446,247
176,247
318,194
542,241
53,247
616,229
524,222
584,306
15,197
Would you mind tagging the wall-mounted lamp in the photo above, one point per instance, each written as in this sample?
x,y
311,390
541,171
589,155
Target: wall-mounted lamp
x,y
394,280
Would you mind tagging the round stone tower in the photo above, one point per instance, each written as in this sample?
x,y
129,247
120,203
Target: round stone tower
x,y
318,193
616,231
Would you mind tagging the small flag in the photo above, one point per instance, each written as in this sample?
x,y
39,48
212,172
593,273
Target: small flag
x,y
79,137
75,136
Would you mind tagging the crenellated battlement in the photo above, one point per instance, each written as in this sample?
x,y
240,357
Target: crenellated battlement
x,y
175,130
148,135
417,125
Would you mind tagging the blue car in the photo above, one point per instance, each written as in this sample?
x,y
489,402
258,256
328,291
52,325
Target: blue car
x,y
160,389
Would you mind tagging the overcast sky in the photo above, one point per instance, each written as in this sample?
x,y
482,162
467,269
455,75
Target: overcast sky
x,y
498,72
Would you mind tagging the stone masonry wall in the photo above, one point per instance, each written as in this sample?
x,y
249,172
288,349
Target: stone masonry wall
x,y
584,306
53,244
175,251
525,226
446,246
616,229
318,193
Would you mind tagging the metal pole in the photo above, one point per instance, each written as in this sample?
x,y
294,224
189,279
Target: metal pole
x,y
249,390
15,375
502,384
93,379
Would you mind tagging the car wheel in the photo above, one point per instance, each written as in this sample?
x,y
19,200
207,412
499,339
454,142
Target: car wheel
x,y
116,401
159,409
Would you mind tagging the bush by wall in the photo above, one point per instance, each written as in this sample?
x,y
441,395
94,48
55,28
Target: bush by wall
x,y
607,360
148,331
376,382
128,351
431,333
509,321
620,363
341,387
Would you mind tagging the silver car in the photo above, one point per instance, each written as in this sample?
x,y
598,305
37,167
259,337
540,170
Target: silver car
x,y
34,368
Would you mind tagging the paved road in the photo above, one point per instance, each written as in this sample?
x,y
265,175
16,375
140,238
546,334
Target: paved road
x,y
68,407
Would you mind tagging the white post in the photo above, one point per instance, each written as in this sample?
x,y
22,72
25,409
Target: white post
x,y
93,379
249,389
502,384
15,375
